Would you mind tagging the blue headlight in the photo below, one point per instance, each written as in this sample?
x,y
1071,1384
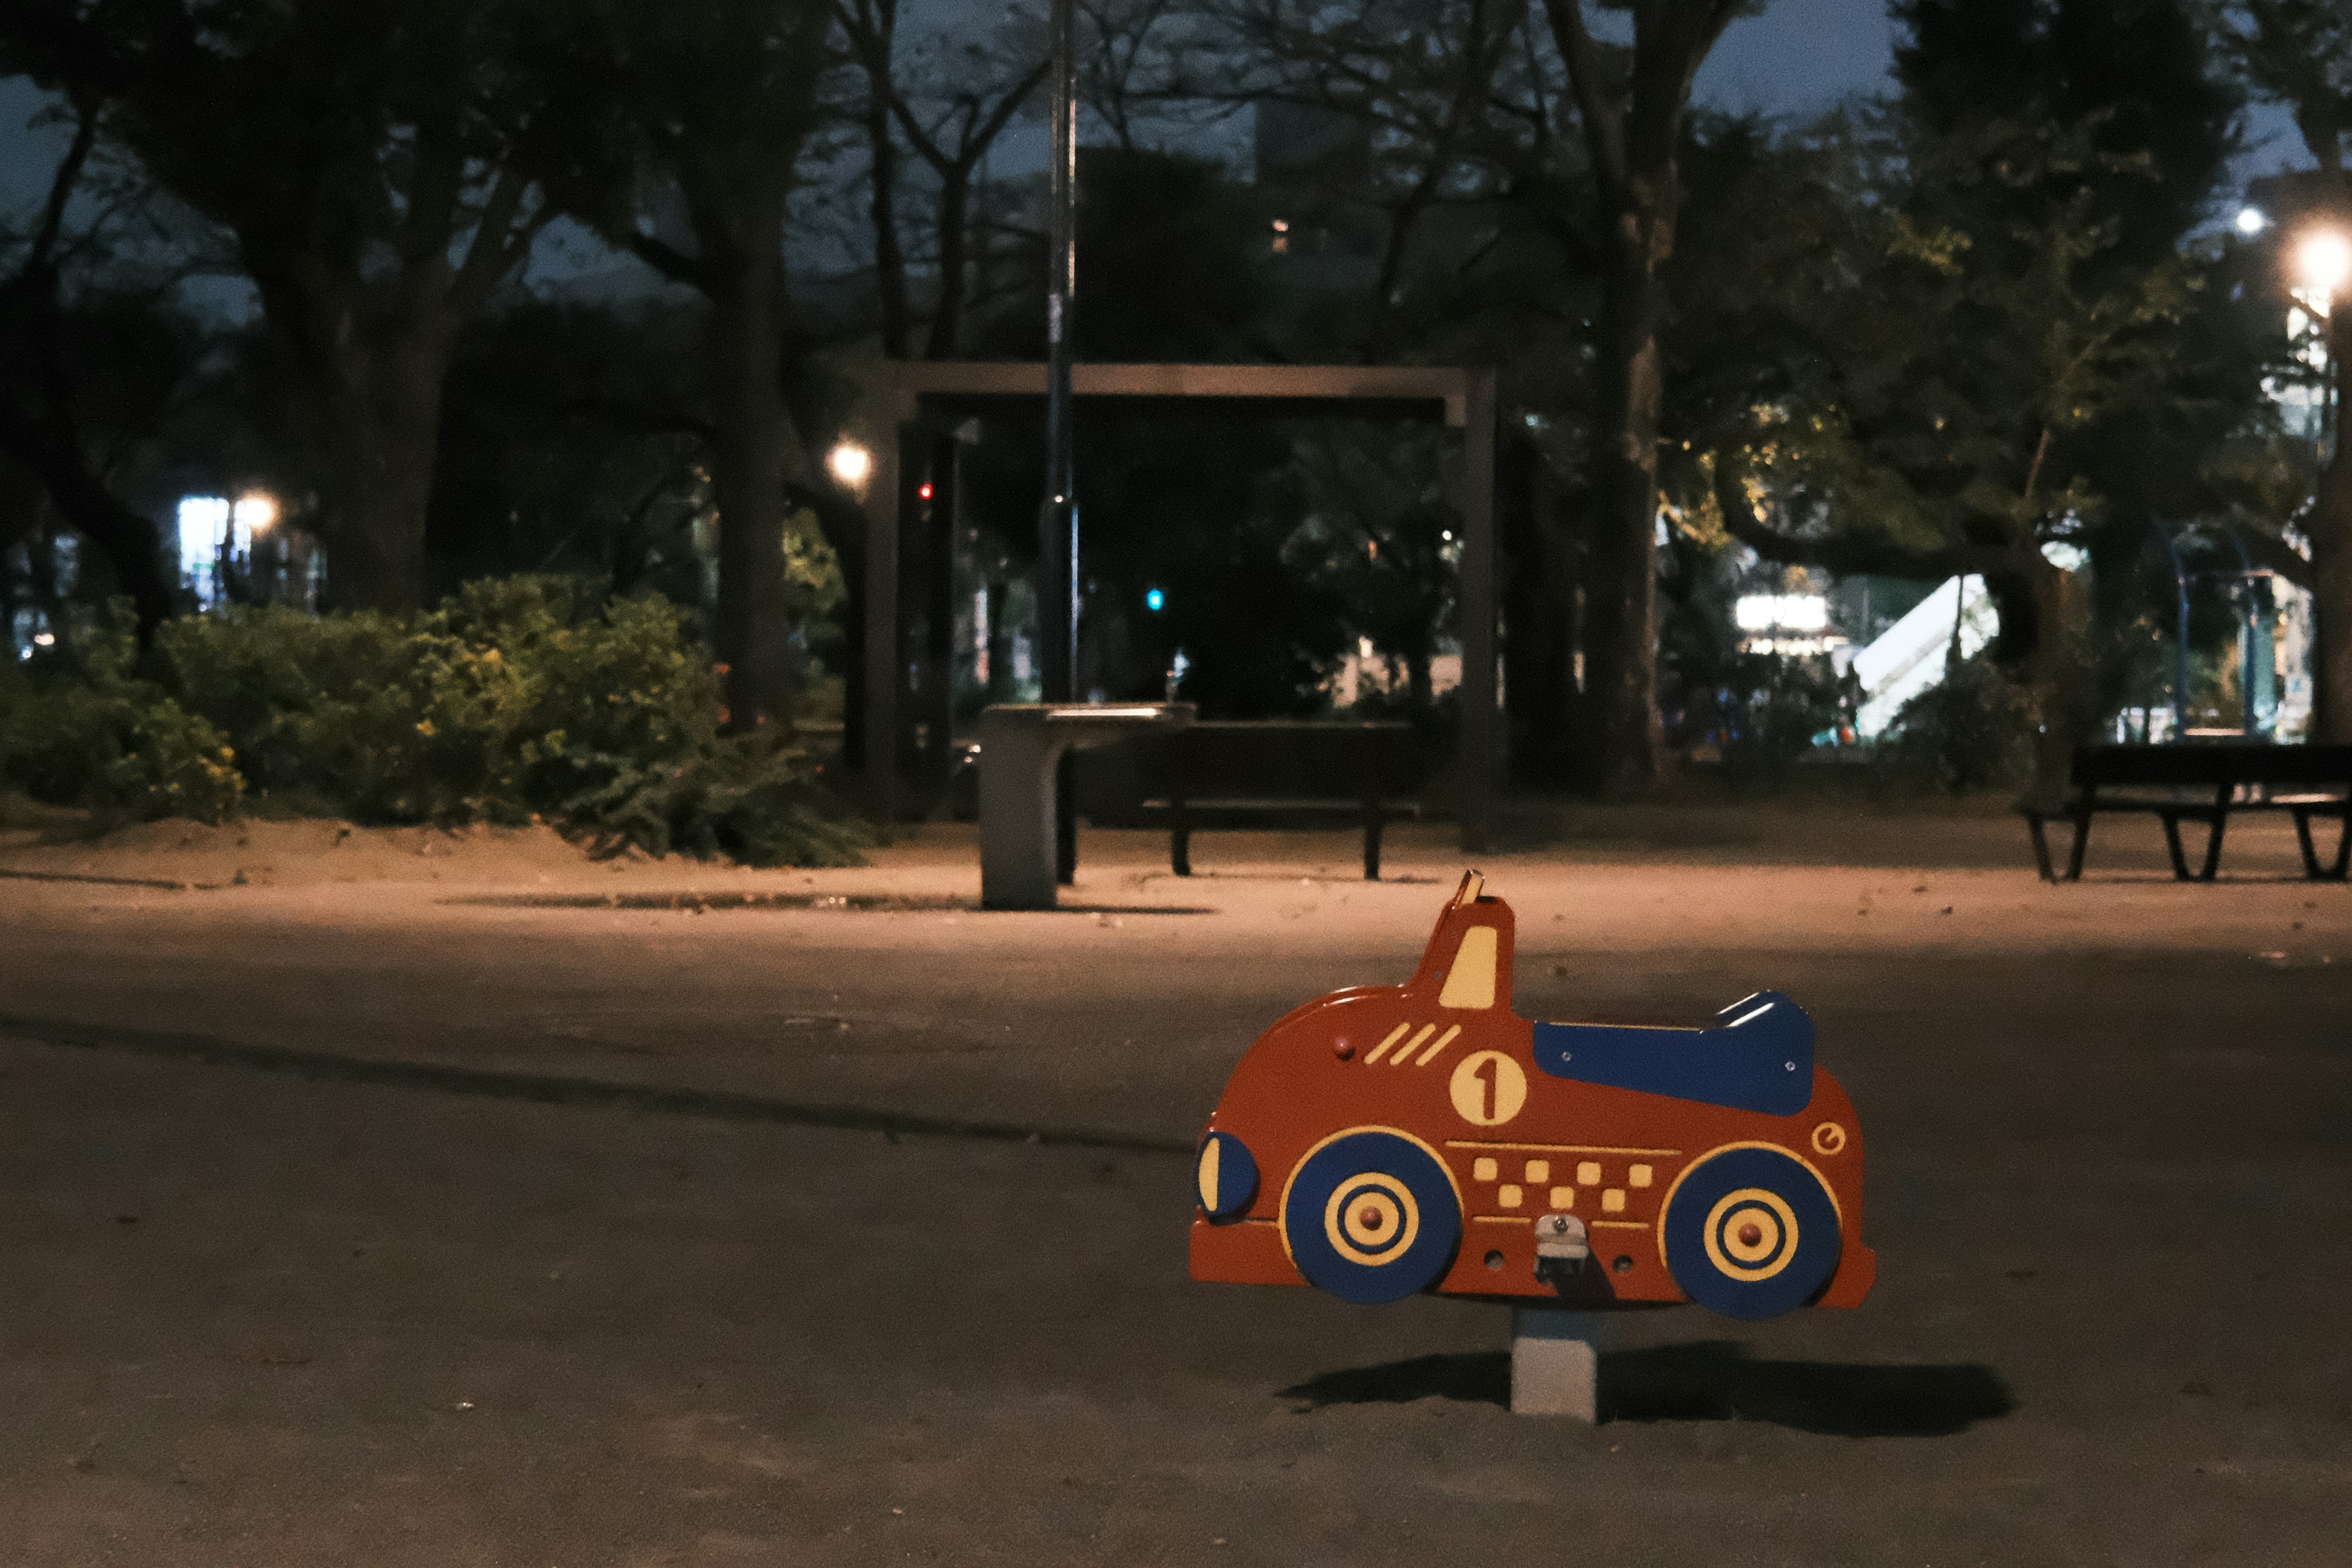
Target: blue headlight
x,y
1224,1176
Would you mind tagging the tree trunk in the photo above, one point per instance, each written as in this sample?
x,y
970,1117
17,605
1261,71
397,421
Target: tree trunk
x,y
955,230
2058,668
2331,605
374,519
1621,581
889,258
374,409
1538,620
751,624
131,541
2331,559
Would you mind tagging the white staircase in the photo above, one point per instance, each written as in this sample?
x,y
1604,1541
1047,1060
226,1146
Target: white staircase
x,y
1909,656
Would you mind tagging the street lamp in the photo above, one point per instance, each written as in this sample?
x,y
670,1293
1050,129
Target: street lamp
x,y
2322,263
252,514
850,465
2321,266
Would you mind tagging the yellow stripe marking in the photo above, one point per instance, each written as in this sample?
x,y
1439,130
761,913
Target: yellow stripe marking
x,y
1394,1035
1502,1219
1618,1224
1444,1040
1557,1147
1411,1045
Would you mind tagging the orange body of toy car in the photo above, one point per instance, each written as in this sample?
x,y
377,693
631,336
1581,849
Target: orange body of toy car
x,y
1385,1141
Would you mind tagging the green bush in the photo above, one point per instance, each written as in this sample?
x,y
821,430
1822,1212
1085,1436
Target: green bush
x,y
91,733
1973,731
517,699
1789,702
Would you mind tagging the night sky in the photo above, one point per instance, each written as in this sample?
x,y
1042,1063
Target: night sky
x,y
1797,57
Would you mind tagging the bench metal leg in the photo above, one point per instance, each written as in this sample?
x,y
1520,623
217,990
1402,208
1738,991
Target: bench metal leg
x,y
1372,826
2213,846
2214,831
2083,842
1180,837
2040,847
2172,842
2311,866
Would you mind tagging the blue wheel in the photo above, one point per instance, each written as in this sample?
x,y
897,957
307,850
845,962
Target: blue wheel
x,y
1751,1232
1372,1216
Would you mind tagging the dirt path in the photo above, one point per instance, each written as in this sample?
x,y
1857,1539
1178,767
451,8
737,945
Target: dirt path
x,y
397,1221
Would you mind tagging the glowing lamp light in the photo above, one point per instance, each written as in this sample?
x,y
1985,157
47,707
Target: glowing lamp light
x,y
1153,599
254,512
850,464
2323,261
923,490
1781,612
2252,221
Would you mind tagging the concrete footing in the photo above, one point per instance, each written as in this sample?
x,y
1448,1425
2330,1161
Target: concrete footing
x,y
1556,1363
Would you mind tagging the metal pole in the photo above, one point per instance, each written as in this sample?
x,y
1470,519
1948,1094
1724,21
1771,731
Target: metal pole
x,y
1475,602
884,662
1057,543
2180,641
2248,607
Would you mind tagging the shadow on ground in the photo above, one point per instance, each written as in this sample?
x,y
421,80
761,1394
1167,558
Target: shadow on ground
x,y
1713,1379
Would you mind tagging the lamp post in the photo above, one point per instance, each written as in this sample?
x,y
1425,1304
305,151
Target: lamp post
x,y
2321,264
1057,522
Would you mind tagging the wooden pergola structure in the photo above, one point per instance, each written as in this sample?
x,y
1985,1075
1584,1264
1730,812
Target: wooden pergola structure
x,y
902,393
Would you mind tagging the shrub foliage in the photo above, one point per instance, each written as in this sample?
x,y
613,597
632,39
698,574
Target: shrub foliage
x,y
1973,731
517,698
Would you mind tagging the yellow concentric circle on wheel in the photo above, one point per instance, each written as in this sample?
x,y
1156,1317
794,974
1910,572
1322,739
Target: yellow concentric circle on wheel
x,y
1370,1217
1730,1245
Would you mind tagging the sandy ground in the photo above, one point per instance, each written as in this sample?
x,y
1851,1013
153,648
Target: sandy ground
x,y
398,1206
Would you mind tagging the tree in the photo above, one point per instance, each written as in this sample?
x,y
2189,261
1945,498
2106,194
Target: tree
x,y
1632,104
576,442
976,89
1570,158
2298,53
366,157
1952,366
685,126
44,424
1397,110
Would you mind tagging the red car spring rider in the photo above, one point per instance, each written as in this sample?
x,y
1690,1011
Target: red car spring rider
x,y
1388,1139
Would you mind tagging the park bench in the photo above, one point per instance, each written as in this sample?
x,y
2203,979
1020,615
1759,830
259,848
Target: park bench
x,y
2203,783
1254,772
